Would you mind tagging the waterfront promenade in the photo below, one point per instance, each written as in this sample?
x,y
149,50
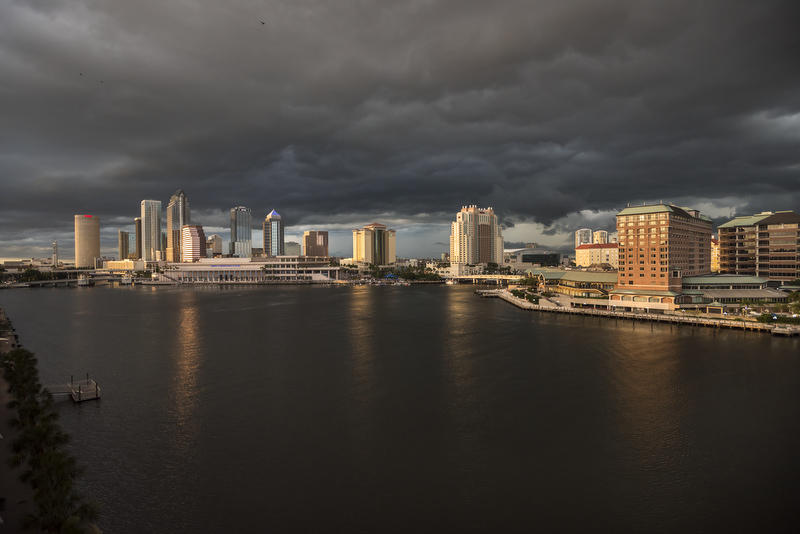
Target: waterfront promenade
x,y
549,306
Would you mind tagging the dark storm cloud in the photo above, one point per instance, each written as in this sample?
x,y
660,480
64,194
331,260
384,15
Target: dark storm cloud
x,y
337,112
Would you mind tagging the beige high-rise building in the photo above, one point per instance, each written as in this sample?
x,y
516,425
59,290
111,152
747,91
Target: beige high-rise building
x,y
476,237
600,237
374,244
315,243
151,230
193,243
87,241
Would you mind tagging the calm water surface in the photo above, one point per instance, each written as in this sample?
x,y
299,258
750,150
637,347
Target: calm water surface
x,y
383,409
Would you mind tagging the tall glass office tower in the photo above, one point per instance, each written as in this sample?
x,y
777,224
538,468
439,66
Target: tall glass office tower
x,y
273,235
241,232
177,218
151,230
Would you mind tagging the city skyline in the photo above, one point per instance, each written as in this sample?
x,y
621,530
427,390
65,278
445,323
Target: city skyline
x,y
557,114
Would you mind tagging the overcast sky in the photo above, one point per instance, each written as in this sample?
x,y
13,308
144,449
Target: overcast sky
x,y
337,114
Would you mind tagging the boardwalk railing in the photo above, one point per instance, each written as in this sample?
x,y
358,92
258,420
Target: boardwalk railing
x,y
656,317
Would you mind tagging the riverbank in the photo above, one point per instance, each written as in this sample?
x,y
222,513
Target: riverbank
x,y
776,330
18,496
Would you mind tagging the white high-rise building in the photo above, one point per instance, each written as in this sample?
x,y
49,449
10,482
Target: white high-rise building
x,y
151,230
476,237
600,237
583,237
193,243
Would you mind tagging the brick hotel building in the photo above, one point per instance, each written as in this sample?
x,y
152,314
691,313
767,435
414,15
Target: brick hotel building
x,y
658,246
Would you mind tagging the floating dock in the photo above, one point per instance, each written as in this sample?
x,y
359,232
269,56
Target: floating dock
x,y
77,390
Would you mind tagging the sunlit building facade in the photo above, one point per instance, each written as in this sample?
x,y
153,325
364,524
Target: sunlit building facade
x,y
193,243
177,218
659,245
766,245
476,237
151,230
374,244
273,235
87,241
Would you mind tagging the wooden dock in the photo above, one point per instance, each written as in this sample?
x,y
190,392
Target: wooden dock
x,y
77,390
777,330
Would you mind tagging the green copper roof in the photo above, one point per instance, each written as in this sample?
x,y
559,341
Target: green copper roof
x,y
638,210
748,220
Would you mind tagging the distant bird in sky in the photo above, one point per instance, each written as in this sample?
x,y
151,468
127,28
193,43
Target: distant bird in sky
x,y
81,74
261,21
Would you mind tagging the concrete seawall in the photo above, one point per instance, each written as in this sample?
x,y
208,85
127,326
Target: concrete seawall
x,y
780,330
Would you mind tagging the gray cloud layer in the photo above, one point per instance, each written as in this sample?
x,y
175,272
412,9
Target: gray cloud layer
x,y
348,111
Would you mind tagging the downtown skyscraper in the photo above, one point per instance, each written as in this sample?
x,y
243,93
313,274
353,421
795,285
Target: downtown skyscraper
x,y
476,237
273,235
151,230
241,232
87,241
177,218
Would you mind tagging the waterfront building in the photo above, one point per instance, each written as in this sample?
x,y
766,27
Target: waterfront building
x,y
241,232
476,237
714,255
374,244
177,217
659,245
214,245
597,254
273,235
193,243
137,223
524,258
87,241
293,248
583,237
766,245
123,243
315,243
124,266
600,237
276,269
151,230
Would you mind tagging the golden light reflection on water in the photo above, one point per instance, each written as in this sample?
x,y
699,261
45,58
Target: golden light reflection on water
x,y
456,347
362,339
644,369
187,356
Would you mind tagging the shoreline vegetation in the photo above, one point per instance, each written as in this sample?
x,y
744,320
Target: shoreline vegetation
x,y
37,451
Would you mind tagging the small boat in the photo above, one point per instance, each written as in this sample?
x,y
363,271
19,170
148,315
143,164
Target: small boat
x,y
451,282
126,280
